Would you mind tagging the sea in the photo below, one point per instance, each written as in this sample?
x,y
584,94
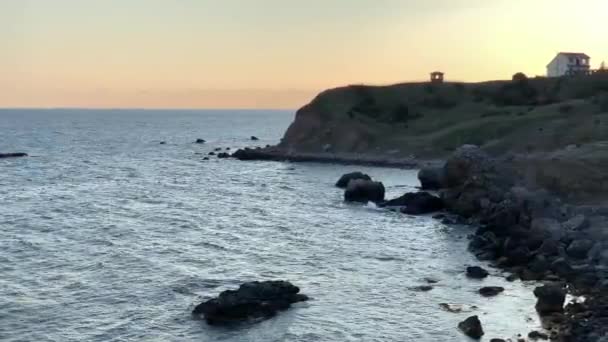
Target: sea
x,y
108,235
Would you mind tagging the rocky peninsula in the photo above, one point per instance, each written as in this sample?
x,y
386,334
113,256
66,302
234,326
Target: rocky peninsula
x,y
525,161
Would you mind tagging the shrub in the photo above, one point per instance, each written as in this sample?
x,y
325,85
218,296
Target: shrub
x,y
519,77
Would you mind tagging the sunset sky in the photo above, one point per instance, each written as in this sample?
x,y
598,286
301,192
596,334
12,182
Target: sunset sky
x,y
273,53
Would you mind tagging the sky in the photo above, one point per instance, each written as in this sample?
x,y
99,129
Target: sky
x,y
273,53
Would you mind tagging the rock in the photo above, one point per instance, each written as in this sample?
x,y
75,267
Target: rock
x,y
432,178
578,222
12,155
251,300
519,255
217,149
423,288
562,268
578,249
549,247
476,272
471,327
211,153
200,141
491,291
206,158
163,142
463,163
497,340
431,280
343,181
537,335
223,155
254,138
539,264
416,203
550,298
363,191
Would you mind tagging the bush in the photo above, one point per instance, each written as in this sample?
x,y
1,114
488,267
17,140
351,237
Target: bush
x,y
519,77
519,93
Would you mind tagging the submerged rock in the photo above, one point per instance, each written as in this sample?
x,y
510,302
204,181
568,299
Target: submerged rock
x,y
346,178
364,191
476,272
471,327
491,291
251,300
200,141
416,203
551,298
12,155
537,335
163,143
254,138
223,155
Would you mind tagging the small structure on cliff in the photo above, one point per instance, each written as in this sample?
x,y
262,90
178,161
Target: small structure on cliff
x,y
437,77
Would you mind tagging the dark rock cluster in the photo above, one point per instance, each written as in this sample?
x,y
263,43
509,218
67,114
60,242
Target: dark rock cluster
x,y
252,300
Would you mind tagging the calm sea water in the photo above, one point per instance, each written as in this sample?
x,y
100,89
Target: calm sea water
x,y
106,235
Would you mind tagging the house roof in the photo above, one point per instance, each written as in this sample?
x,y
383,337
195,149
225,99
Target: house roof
x,y
574,54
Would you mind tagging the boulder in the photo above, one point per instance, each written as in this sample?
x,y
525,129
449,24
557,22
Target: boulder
x,y
416,203
550,298
537,335
463,163
578,222
163,143
491,291
12,155
476,272
254,138
200,141
223,155
251,300
562,268
578,249
217,149
346,178
471,327
432,178
211,153
363,191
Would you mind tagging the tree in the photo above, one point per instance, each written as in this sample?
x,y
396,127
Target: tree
x,y
603,66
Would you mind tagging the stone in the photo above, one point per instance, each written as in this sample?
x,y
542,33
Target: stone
x,y
363,191
471,327
550,298
200,141
163,143
346,178
12,155
416,203
562,268
537,335
476,272
251,300
432,178
578,249
423,288
578,222
491,291
223,155
211,153
254,138
497,340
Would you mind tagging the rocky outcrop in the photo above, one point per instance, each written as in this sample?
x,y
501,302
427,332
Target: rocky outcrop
x,y
550,298
12,155
364,191
416,203
346,178
251,300
471,327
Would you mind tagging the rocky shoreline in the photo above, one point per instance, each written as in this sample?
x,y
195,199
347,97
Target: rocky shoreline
x,y
280,154
526,231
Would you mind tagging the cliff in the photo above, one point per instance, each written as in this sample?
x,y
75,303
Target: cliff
x,y
432,120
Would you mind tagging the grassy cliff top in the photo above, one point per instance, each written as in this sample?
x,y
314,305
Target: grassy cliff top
x,y
431,120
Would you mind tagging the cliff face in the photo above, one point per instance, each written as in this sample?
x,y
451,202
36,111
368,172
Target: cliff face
x,y
431,120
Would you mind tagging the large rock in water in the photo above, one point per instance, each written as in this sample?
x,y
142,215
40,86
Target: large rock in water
x,y
416,203
551,298
251,300
363,191
346,178
471,327
12,155
432,178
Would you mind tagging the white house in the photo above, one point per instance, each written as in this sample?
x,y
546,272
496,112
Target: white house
x,y
569,63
